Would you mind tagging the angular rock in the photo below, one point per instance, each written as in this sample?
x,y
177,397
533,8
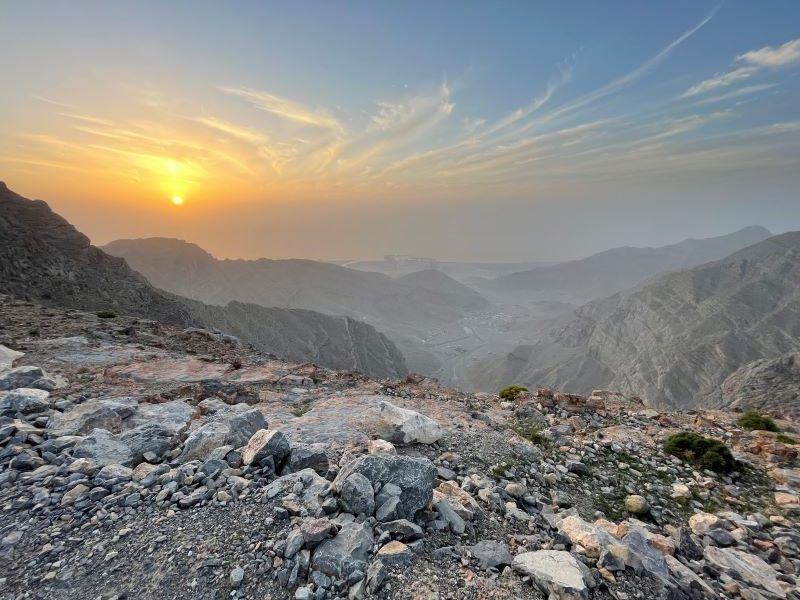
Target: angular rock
x,y
402,426
491,554
228,427
266,443
343,555
414,476
104,448
105,414
403,529
556,573
356,495
747,567
394,553
25,401
309,457
23,377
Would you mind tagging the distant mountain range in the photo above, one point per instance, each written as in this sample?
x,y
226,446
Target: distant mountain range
x,y
44,258
676,339
618,269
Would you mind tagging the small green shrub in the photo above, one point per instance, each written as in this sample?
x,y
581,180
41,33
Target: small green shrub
x,y
785,439
706,453
106,314
511,392
529,429
754,420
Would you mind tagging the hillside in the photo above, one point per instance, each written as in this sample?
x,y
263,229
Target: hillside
x,y
618,269
137,461
44,258
676,339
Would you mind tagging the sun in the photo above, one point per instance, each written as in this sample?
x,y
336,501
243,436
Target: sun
x,y
177,200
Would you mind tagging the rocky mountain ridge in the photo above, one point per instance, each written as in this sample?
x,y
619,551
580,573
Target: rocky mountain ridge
x,y
144,460
676,339
43,257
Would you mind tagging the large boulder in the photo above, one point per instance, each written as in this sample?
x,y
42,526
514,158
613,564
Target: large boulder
x,y
403,426
357,496
149,438
232,426
25,377
414,476
7,358
104,448
266,443
105,414
311,456
174,416
558,574
747,567
341,556
25,401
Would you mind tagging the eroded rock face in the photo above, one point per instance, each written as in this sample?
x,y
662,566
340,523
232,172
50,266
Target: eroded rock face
x,y
414,476
25,401
105,414
747,566
402,426
25,377
555,572
231,426
266,443
346,553
104,448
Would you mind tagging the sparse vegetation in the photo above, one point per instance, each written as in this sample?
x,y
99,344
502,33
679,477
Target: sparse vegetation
x,y
512,392
529,429
706,453
785,439
106,314
755,420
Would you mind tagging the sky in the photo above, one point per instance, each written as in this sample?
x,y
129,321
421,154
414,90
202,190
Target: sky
x,y
513,131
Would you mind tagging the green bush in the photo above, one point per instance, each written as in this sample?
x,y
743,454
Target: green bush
x,y
785,439
754,420
706,453
529,429
106,314
511,392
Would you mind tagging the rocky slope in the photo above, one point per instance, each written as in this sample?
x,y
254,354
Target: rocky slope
x,y
142,460
43,257
618,269
675,340
770,384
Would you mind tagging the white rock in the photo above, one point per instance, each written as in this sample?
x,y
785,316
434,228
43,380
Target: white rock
x,y
555,572
402,426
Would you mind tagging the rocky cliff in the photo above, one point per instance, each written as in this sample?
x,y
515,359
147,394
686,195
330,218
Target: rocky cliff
x,y
45,258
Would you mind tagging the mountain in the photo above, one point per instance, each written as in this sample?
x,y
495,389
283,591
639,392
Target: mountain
x,y
464,272
188,270
674,340
44,258
768,384
618,269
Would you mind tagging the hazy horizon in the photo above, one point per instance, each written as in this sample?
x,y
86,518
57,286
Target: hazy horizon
x,y
527,133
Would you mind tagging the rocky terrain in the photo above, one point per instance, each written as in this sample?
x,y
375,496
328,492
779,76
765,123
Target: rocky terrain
x,y
45,258
145,460
676,339
618,269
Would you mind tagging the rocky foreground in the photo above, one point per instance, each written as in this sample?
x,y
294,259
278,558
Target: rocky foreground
x,y
139,460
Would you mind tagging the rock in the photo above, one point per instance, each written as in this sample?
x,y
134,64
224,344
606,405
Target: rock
x,y
394,553
556,573
151,437
343,555
380,447
636,505
266,443
316,530
688,580
104,448
356,495
74,494
685,545
577,467
173,416
376,575
402,426
309,457
447,513
24,377
7,357
746,567
231,426
414,476
105,414
491,554
516,490
236,578
403,529
294,542
702,523
591,538
25,401
681,492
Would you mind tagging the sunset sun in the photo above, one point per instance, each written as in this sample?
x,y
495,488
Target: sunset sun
x,y
177,200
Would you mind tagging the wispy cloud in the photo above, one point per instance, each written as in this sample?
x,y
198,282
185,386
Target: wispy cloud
x,y
239,132
720,80
773,56
285,108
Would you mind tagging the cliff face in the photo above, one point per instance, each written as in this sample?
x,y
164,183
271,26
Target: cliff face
x,y
44,258
676,339
771,385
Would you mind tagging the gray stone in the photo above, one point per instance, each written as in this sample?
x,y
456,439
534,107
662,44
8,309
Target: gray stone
x,y
747,567
457,524
414,477
104,448
356,495
25,401
491,554
237,577
343,555
402,426
228,427
22,377
105,414
148,438
309,457
556,573
316,530
266,443
388,510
